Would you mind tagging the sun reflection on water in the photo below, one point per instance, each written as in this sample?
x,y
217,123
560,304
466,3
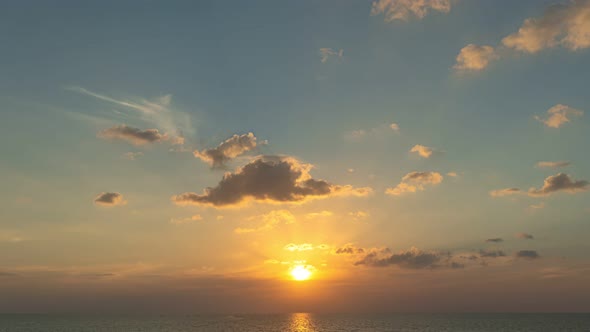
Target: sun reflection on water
x,y
301,322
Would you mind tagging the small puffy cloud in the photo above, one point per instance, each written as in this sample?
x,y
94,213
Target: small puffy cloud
x,y
505,192
525,236
415,181
133,135
527,254
268,221
566,25
491,253
559,182
423,151
405,9
559,115
270,179
394,126
109,199
328,53
181,221
320,214
553,164
453,174
412,258
495,240
227,150
474,57
348,249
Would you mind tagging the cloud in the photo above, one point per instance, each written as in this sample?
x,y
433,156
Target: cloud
x,y
132,155
566,25
524,236
394,126
539,206
328,53
349,249
558,115
559,182
305,247
270,179
415,181
181,221
405,9
132,135
109,199
492,253
358,215
452,174
377,131
157,110
505,192
268,221
527,254
227,150
553,164
423,151
496,240
324,213
475,58
412,258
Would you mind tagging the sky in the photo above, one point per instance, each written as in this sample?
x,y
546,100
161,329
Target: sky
x,y
192,156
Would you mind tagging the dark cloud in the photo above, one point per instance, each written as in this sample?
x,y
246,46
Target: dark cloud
x,y
133,135
492,253
413,258
227,150
496,240
559,182
268,179
349,249
109,199
527,254
524,236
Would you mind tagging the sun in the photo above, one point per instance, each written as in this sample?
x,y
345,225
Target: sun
x,y
301,272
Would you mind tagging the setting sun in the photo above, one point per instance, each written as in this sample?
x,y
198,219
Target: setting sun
x,y
301,272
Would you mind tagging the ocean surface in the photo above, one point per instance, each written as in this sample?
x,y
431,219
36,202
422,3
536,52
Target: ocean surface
x,y
301,322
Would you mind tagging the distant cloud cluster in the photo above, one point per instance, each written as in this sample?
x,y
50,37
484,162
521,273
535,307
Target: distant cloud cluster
x,y
227,150
132,155
496,240
525,236
273,179
415,181
527,254
559,115
349,249
305,247
109,199
412,258
562,25
405,9
491,253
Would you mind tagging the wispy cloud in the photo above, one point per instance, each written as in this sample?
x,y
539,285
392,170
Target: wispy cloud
x,y
326,54
405,9
415,181
553,164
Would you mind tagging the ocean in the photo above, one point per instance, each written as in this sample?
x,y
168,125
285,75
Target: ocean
x,y
300,322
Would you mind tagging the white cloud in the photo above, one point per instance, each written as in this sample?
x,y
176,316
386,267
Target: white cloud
x,y
328,53
553,164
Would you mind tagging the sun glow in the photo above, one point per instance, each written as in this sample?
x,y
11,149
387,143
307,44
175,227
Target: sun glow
x,y
301,272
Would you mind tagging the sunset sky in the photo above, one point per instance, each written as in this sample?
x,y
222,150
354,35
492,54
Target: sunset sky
x,y
200,156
